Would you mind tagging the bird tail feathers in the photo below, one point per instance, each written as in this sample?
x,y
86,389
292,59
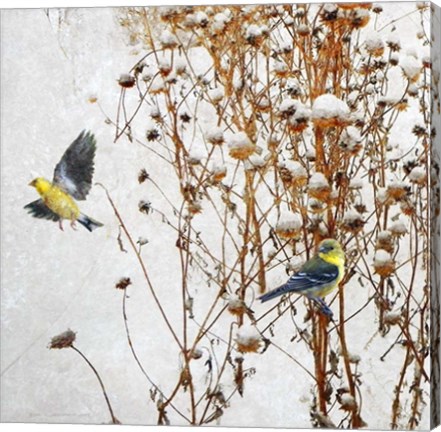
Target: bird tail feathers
x,y
273,293
89,223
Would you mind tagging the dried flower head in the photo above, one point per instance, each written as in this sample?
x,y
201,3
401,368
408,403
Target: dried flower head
x,y
289,226
384,265
248,339
123,283
63,340
240,146
126,81
236,306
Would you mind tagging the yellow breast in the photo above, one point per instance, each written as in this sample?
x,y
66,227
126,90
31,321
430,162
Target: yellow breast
x,y
61,203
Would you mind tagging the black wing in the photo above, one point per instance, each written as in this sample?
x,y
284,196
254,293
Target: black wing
x,y
74,172
316,273
38,209
313,274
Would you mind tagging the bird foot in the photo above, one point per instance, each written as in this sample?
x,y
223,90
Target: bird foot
x,y
60,224
73,225
323,307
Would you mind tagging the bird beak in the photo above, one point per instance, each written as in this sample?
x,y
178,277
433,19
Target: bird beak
x,y
323,249
32,183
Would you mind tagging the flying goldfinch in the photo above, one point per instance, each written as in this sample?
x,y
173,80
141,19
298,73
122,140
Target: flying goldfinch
x,y
317,277
72,181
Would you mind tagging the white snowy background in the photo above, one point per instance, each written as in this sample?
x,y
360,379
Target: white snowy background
x,y
53,280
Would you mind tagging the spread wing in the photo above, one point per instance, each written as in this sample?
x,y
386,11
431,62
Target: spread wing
x,y
314,275
74,172
39,210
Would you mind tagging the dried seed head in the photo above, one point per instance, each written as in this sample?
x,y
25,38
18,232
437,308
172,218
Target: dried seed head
x,y
248,339
240,146
126,81
318,187
63,340
383,263
143,175
123,283
385,241
289,226
236,306
348,402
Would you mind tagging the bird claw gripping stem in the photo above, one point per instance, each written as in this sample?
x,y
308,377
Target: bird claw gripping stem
x,y
324,308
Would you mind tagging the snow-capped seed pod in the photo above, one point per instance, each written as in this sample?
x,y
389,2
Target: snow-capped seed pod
x,y
303,30
310,154
215,136
216,94
155,113
398,228
126,80
168,40
418,176
280,69
427,62
272,252
329,13
397,190
316,206
374,45
254,162
353,222
196,155
392,317
329,111
236,306
287,107
202,19
348,402
254,35
196,353
407,207
318,187
384,265
218,172
411,68
350,140
385,241
289,226
240,146
248,339
299,121
394,59
412,90
377,8
356,184
393,43
354,358
360,18
293,173
263,104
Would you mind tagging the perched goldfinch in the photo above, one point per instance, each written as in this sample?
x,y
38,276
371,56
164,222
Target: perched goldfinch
x,y
317,277
72,181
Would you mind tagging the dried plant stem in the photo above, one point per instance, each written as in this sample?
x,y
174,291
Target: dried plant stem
x,y
109,406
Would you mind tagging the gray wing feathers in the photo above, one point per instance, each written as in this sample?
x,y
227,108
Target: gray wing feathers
x,y
39,210
74,172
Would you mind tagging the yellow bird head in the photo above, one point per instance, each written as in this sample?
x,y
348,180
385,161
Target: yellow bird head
x,y
41,184
331,251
